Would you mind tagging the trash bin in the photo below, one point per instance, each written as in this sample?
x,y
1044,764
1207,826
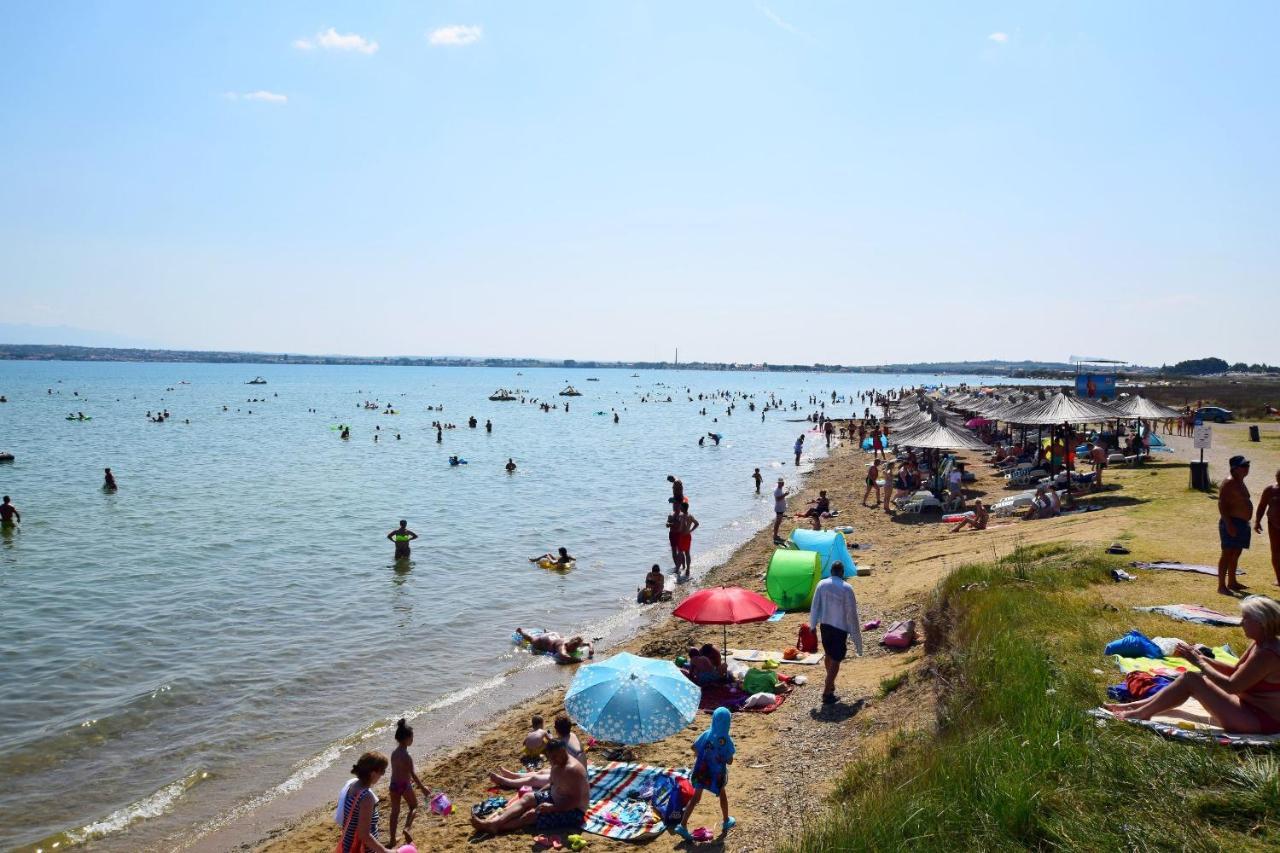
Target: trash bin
x,y
1253,434
1200,476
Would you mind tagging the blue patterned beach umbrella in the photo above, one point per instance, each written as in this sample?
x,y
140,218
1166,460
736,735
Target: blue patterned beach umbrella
x,y
629,699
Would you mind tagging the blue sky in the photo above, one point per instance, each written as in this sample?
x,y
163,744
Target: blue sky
x,y
783,181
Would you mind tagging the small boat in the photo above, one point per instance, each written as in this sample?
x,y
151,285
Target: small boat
x,y
502,395
570,391
6,456
257,380
635,376
592,379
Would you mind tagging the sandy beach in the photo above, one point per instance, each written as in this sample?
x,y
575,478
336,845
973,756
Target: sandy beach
x,y
787,760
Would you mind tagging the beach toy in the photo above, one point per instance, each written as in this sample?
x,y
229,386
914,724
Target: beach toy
x,y
576,842
791,577
407,848
956,517
702,835
848,528
441,804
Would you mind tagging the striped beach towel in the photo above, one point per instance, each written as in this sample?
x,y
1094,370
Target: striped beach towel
x,y
627,799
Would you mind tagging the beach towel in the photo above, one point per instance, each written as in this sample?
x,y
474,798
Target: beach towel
x,y
628,800
1170,666
1170,566
734,698
758,656
1191,722
1193,613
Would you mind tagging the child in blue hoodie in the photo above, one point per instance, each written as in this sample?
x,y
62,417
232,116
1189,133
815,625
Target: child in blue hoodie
x,y
714,753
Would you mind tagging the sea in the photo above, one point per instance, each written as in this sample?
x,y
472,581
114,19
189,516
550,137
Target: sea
x,y
194,658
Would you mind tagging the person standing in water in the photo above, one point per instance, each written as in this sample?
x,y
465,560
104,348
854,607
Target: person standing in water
x,y
511,465
109,481
758,480
402,536
799,448
9,515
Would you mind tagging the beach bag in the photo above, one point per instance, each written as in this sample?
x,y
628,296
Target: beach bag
x,y
760,681
900,635
806,640
357,844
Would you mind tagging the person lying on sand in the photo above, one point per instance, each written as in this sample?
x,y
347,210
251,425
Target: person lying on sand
x,y
565,651
978,521
560,807
706,666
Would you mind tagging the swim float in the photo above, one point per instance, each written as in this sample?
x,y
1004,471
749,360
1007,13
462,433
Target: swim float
x,y
455,463
956,517
556,566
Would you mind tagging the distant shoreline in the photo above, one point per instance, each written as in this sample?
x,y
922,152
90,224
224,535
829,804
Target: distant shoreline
x,y
62,352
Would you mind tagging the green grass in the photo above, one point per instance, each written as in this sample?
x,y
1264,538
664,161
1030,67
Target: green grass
x,y
892,683
1016,763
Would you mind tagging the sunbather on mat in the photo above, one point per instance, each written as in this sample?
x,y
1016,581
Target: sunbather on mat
x,y
1241,698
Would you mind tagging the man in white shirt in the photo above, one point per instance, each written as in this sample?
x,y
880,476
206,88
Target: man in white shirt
x,y
834,614
779,506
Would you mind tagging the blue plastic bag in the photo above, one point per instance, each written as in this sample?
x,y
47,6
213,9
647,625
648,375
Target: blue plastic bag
x,y
1133,645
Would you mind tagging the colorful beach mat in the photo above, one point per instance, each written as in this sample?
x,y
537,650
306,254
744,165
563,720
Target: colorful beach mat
x,y
1172,667
1193,613
628,800
758,656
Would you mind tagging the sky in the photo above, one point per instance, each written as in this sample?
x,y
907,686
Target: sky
x,y
781,181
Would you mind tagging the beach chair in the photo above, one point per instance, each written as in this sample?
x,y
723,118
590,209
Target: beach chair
x,y
1018,476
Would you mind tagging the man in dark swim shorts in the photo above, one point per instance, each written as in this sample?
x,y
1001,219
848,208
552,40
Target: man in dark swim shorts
x,y
561,806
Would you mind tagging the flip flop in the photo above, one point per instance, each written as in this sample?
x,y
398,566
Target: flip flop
x,y
730,823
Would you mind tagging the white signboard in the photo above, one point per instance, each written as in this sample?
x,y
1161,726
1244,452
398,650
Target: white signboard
x,y
1202,437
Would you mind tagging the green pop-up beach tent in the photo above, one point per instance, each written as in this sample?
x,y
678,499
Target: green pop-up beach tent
x,y
791,577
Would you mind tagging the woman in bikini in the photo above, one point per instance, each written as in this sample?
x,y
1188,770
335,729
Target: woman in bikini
x,y
1243,698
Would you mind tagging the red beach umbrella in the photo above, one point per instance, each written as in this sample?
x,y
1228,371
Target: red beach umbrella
x,y
725,605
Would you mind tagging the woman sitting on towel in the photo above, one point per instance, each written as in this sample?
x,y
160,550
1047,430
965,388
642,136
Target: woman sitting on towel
x,y
1244,698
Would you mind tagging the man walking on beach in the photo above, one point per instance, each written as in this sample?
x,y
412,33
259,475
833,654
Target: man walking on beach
x,y
779,507
827,430
1269,505
1235,507
834,614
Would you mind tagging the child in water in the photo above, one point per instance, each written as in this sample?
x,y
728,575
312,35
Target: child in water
x,y
403,778
714,753
535,741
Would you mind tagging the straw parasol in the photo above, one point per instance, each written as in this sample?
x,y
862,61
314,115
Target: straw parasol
x,y
1144,409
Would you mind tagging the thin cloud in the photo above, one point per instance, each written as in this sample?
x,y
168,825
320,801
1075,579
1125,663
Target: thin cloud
x,y
331,39
779,22
999,37
260,95
455,35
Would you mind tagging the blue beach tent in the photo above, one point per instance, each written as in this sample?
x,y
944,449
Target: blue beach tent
x,y
830,546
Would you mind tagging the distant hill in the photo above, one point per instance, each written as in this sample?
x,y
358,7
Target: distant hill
x,y
24,333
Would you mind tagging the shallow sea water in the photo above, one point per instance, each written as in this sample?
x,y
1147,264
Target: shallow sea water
x,y
219,630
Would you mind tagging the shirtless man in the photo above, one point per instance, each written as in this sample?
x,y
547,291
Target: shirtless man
x,y
1098,457
1269,505
402,536
779,506
978,521
685,525
9,515
1235,507
560,807
109,481
758,479
873,482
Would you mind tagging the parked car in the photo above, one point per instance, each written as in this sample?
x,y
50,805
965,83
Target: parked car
x,y
1217,414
